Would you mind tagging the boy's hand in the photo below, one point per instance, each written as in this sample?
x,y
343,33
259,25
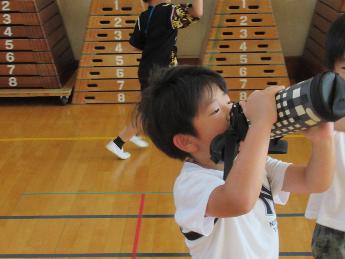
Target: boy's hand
x,y
339,125
316,134
260,106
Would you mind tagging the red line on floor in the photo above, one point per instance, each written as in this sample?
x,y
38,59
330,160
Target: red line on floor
x,y
138,227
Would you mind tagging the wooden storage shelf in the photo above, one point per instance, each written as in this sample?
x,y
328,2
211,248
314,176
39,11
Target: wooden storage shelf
x,y
325,13
111,7
239,6
24,6
107,97
108,70
244,47
36,58
338,5
64,92
236,58
252,33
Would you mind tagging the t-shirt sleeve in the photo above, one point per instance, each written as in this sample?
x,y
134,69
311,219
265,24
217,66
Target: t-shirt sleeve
x,y
180,17
276,173
137,38
191,195
314,205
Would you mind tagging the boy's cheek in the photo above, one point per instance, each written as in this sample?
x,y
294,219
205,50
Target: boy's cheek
x,y
342,73
339,68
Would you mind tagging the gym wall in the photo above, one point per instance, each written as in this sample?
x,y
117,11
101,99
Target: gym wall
x,y
293,18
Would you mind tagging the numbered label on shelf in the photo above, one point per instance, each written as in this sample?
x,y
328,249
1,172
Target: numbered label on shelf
x,y
244,59
243,72
243,33
243,46
244,83
243,20
243,96
12,82
6,18
117,35
121,97
118,48
119,60
8,32
5,6
9,45
118,22
10,58
120,84
120,73
116,5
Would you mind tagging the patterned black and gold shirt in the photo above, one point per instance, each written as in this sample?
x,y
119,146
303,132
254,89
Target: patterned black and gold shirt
x,y
155,34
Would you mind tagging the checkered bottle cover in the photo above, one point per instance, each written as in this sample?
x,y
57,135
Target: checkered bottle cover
x,y
296,104
295,111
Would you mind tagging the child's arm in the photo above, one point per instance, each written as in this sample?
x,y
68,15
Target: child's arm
x,y
197,9
340,125
242,188
183,15
317,175
137,40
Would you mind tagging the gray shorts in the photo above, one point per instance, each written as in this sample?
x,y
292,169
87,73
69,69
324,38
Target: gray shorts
x,y
328,243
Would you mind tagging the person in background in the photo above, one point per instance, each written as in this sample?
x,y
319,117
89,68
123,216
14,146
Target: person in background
x,y
328,208
155,34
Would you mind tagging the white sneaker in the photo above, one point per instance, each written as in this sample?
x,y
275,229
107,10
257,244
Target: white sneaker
x,y
139,141
120,153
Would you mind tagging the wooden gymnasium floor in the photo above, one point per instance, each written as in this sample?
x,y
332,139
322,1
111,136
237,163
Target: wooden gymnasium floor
x,y
63,195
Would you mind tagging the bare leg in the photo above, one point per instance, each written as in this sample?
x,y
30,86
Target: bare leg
x,y
130,133
127,133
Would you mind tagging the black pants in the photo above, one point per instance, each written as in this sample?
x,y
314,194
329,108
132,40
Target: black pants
x,y
328,243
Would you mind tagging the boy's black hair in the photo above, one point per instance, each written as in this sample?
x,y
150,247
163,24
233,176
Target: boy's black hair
x,y
145,1
335,42
170,103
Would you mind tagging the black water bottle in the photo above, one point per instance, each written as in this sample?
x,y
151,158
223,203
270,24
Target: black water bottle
x,y
300,106
306,104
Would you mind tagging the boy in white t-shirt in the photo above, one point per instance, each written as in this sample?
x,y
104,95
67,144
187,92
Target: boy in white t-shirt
x,y
328,208
182,111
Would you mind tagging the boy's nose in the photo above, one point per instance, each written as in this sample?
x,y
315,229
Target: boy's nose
x,y
228,117
226,110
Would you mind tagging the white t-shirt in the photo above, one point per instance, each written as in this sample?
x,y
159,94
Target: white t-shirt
x,y
250,236
328,208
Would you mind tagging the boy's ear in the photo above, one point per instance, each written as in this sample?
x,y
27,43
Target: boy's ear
x,y
185,143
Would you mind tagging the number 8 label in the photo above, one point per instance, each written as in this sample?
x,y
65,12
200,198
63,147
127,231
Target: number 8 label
x,y
243,96
121,98
12,81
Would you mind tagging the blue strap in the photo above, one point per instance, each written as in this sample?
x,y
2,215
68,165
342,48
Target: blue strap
x,y
148,21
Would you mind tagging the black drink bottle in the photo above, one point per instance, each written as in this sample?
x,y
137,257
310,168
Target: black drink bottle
x,y
300,106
